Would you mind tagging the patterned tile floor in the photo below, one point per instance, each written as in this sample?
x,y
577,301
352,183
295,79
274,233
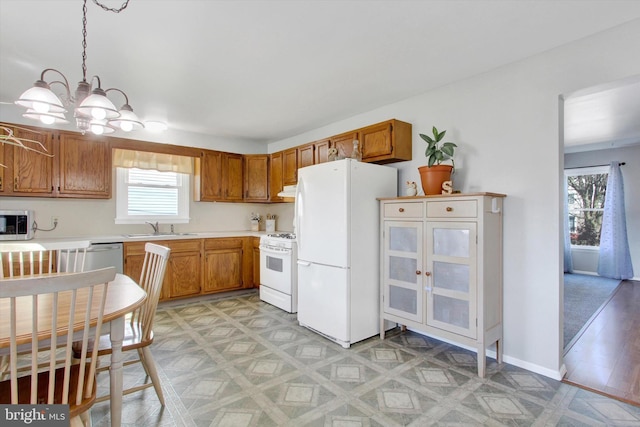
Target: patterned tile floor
x,y
240,362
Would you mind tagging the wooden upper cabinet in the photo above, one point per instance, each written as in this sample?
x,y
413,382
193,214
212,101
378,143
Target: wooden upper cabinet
x,y
344,143
232,175
3,162
208,177
321,154
306,155
32,172
85,166
256,178
218,177
386,142
275,176
290,166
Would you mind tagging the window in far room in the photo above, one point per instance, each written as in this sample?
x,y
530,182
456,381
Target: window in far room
x,y
586,189
148,193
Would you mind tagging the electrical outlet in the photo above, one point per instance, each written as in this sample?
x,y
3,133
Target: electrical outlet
x,y
54,221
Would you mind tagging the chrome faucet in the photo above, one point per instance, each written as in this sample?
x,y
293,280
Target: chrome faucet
x,y
156,228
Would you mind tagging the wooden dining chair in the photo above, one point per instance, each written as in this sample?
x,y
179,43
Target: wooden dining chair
x,y
20,259
45,332
139,329
29,259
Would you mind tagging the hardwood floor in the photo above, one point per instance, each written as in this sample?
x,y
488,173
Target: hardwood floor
x,y
606,357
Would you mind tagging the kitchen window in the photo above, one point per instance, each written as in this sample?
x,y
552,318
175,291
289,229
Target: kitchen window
x,y
150,195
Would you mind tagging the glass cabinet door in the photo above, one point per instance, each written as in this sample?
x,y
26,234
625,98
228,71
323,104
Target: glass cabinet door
x,y
451,276
402,258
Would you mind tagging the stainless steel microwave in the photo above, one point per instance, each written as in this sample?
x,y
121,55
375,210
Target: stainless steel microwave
x,y
16,225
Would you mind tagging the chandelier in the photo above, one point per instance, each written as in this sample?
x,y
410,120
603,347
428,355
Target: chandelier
x,y
92,109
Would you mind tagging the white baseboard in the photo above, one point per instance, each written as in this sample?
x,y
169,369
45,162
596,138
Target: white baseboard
x,y
550,373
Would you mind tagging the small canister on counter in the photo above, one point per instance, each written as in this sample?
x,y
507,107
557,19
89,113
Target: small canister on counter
x,y
270,223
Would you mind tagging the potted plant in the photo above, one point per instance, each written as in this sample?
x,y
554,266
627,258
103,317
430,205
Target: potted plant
x,y
435,173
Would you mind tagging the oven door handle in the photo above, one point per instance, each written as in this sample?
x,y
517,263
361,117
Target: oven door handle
x,y
269,250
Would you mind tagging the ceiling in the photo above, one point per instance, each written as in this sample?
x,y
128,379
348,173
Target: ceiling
x,y
267,70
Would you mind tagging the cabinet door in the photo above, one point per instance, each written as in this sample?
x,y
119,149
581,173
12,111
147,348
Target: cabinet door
x,y
275,178
232,173
305,156
344,143
182,277
256,261
451,282
32,171
290,167
85,166
376,141
223,269
209,176
2,169
256,178
321,151
403,272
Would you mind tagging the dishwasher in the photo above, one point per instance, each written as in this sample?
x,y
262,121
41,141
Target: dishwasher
x,y
101,255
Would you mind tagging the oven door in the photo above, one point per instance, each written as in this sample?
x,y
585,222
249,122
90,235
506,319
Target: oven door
x,y
276,268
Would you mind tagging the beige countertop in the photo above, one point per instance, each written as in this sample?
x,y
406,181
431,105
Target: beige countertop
x,y
148,237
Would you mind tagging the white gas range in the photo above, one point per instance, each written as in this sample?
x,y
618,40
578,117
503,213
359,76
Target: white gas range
x,y
278,271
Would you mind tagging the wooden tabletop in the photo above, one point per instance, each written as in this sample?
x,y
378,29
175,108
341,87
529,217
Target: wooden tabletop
x,y
123,296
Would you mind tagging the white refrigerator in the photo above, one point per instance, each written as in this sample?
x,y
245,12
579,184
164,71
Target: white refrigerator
x,y
338,232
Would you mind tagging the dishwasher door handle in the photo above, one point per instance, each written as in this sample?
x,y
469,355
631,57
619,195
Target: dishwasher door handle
x,y
103,248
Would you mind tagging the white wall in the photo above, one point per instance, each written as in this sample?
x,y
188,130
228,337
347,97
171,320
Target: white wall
x,y
584,260
96,217
506,123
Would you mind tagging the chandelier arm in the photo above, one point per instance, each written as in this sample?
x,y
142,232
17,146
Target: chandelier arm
x,y
110,9
126,98
64,83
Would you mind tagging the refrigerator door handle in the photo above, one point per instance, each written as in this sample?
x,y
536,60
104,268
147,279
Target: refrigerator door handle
x,y
296,214
304,263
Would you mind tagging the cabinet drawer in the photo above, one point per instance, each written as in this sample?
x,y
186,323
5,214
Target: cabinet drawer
x,y
404,210
184,245
453,209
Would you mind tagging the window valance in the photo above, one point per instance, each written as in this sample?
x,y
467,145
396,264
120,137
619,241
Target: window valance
x,y
149,160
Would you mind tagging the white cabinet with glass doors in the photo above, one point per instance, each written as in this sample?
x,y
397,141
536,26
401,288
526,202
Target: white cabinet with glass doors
x,y
441,269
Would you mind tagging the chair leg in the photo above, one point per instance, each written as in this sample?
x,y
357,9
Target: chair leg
x,y
150,367
85,417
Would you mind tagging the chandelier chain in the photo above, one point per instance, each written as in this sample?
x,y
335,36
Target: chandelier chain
x,y
112,9
84,41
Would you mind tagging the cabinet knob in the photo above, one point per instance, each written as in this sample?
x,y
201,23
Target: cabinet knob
x,y
427,273
449,209
401,210
418,272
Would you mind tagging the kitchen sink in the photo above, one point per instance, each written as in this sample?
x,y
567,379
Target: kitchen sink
x,y
146,235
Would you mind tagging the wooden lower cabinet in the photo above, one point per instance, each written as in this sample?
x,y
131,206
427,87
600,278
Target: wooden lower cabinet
x,y
256,261
183,276
223,264
198,266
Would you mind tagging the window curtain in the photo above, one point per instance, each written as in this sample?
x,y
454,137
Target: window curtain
x,y
615,258
149,160
568,259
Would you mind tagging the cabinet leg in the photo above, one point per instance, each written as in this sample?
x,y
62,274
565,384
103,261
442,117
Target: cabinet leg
x,y
482,361
499,351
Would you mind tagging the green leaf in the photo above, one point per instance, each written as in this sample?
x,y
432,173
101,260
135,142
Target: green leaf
x,y
441,135
432,160
426,138
448,148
